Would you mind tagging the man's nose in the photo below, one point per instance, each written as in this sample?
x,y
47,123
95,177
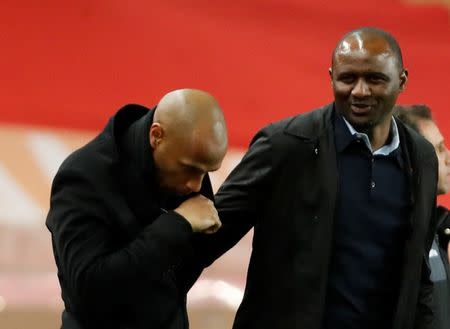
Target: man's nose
x,y
195,184
361,89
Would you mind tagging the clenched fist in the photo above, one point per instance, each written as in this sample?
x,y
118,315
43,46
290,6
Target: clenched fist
x,y
200,212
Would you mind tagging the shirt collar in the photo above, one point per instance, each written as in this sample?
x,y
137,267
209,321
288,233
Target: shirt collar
x,y
346,133
344,137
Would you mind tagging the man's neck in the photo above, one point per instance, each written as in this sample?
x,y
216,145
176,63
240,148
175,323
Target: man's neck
x,y
379,135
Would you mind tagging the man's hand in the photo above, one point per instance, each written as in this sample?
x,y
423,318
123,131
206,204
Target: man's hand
x,y
200,212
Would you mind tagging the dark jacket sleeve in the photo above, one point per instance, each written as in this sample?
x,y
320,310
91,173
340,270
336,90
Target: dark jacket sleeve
x,y
91,265
238,200
424,312
425,308
444,228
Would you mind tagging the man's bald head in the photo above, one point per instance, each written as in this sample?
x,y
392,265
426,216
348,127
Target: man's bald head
x,y
370,39
188,135
187,111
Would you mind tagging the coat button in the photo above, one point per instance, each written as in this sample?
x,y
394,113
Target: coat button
x,y
316,218
447,231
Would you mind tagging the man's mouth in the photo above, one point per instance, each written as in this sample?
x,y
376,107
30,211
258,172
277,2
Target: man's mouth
x,y
360,108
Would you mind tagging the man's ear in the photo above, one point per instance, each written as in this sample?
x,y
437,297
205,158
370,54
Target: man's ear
x,y
330,72
403,79
156,134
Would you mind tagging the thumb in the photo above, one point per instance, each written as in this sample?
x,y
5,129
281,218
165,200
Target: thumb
x,y
212,229
209,222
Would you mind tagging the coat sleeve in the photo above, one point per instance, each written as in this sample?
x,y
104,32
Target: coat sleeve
x,y
425,308
425,313
444,231
238,200
91,265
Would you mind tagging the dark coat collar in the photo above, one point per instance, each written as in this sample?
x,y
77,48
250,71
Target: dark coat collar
x,y
311,125
315,124
134,139
129,130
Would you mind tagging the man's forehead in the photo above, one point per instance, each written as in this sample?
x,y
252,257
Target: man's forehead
x,y
199,165
365,43
201,154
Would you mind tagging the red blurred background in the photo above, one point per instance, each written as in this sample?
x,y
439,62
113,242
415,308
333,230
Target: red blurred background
x,y
66,66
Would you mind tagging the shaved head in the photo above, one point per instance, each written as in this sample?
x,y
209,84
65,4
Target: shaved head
x,y
369,38
184,112
188,137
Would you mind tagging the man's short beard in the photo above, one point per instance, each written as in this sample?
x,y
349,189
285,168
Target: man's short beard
x,y
365,127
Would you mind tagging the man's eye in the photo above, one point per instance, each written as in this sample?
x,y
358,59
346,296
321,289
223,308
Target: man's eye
x,y
376,79
347,79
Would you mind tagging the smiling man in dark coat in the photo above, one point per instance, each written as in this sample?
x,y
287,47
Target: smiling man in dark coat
x,y
341,200
125,207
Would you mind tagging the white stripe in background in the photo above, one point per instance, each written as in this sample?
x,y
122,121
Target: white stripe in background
x,y
219,290
232,158
18,208
49,152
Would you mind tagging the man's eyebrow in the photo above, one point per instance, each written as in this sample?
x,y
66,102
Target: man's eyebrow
x,y
192,166
378,74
